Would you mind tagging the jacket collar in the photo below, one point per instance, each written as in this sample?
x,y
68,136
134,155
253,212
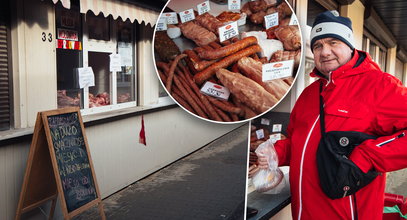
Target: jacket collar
x,y
360,63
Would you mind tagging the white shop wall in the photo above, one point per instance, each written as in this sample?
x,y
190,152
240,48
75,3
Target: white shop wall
x,y
34,66
118,158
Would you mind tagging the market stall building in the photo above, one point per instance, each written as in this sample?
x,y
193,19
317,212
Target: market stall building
x,y
378,29
44,47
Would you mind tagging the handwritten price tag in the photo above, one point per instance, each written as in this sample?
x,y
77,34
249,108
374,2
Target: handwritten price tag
x,y
203,7
233,5
162,24
271,20
215,90
277,70
228,31
187,15
171,17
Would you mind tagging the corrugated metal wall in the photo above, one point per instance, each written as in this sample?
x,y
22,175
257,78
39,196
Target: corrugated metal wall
x,y
117,156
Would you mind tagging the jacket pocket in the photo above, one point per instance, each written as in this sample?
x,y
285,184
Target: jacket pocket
x,y
347,109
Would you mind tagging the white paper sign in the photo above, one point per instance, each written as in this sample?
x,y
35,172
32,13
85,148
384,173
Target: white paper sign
x,y
277,70
228,31
162,24
271,20
203,7
187,15
233,5
115,62
293,20
215,90
126,52
277,127
86,77
171,17
260,134
275,137
265,121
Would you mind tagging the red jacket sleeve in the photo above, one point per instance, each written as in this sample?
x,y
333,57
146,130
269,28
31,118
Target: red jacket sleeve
x,y
389,151
283,147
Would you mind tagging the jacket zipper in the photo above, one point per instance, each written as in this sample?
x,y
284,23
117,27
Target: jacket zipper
x,y
391,139
351,207
302,162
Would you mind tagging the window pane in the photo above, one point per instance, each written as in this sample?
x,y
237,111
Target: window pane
x,y
98,27
99,95
126,79
372,50
69,56
69,93
161,91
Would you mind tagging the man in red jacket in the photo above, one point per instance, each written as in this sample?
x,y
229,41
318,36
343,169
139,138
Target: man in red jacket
x,y
358,96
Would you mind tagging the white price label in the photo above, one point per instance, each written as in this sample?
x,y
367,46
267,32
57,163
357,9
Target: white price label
x,y
203,7
293,20
215,90
228,31
260,134
275,137
277,127
271,20
162,24
86,77
277,70
187,15
265,121
115,62
234,4
171,17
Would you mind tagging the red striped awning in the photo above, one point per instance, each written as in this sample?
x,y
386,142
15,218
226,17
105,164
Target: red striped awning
x,y
119,9
65,3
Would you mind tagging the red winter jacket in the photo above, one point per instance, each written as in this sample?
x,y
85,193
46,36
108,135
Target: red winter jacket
x,y
358,97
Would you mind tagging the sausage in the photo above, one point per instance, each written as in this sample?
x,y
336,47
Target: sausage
x,y
211,111
227,50
182,102
189,99
205,74
215,45
225,107
197,63
224,116
171,71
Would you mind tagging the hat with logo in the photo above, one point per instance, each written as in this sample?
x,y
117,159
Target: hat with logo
x,y
330,24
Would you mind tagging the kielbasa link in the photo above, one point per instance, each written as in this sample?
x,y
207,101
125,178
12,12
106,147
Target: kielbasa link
x,y
227,50
207,73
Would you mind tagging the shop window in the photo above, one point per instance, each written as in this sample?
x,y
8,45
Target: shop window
x,y
309,66
382,59
110,53
399,69
372,50
126,78
98,27
69,56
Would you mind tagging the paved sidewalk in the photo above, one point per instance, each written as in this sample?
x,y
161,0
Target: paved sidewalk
x,y
208,184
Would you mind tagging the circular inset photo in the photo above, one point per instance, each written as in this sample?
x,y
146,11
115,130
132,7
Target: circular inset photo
x,y
227,61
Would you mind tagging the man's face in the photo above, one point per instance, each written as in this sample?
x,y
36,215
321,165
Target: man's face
x,y
330,53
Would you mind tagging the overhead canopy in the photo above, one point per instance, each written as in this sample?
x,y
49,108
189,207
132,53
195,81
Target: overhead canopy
x,y
65,3
119,9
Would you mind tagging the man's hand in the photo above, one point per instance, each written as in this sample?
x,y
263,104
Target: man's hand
x,y
262,162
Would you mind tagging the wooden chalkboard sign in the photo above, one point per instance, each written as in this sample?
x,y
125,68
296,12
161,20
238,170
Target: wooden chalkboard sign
x,y
59,163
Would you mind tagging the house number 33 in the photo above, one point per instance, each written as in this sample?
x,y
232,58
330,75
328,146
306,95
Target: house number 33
x,y
45,37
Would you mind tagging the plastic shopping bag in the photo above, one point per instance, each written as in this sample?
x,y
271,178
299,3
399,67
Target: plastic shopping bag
x,y
266,179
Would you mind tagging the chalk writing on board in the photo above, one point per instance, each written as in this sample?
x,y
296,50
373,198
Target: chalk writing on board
x,y
72,159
